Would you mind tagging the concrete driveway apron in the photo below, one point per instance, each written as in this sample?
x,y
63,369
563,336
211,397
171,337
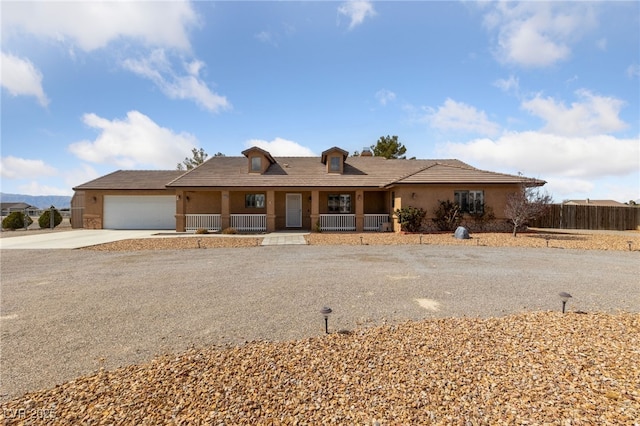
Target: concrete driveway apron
x,y
74,239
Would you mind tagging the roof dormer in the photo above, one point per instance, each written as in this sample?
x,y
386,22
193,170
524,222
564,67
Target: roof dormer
x,y
259,159
334,159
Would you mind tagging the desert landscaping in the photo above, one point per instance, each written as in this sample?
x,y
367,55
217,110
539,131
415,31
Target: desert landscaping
x,y
581,240
532,367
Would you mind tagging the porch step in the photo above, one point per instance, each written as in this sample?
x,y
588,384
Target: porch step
x,y
280,239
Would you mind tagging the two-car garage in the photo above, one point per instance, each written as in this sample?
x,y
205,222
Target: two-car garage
x,y
139,212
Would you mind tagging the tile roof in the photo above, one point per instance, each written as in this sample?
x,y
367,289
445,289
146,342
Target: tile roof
x,y
598,203
361,172
372,172
133,179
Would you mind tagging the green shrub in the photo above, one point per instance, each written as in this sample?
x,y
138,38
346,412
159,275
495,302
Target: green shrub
x,y
410,218
483,217
45,222
16,220
447,216
229,231
202,231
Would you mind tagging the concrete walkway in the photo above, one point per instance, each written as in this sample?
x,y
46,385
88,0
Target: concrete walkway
x,y
285,238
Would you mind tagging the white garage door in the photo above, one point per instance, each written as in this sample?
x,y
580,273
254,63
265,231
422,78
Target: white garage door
x,y
139,212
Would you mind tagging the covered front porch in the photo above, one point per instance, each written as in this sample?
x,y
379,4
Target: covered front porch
x,y
248,210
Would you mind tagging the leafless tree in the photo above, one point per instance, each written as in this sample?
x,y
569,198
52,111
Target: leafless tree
x,y
527,204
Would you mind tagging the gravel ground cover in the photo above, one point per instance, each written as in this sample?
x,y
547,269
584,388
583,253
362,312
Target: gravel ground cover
x,y
587,241
235,324
534,368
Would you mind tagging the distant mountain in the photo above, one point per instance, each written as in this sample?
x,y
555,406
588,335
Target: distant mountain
x,y
40,201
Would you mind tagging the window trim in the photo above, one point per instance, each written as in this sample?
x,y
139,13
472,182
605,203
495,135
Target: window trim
x,y
341,203
254,201
256,166
470,201
334,164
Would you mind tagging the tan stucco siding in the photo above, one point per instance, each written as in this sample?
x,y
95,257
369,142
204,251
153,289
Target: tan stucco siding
x,y
204,202
237,203
429,198
376,202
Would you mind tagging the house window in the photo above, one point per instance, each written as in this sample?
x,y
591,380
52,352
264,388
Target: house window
x,y
339,203
334,165
254,201
256,164
470,201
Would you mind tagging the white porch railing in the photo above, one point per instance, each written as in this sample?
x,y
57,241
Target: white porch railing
x,y
338,222
210,222
372,222
249,222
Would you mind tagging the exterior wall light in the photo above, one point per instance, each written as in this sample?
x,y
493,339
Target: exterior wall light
x,y
565,298
326,312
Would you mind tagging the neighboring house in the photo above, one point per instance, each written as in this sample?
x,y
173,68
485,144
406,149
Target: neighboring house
x,y
262,193
598,203
7,208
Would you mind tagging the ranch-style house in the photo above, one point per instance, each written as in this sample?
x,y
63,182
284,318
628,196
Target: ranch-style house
x,y
262,193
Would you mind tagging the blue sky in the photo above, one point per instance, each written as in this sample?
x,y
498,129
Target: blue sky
x,y
550,90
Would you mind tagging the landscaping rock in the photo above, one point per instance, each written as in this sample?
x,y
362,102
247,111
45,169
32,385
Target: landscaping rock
x,y
533,368
461,233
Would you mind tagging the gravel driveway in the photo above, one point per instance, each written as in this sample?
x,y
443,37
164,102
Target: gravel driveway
x,y
68,313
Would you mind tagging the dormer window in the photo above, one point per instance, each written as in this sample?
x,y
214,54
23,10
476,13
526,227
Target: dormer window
x,y
256,164
259,160
334,159
334,165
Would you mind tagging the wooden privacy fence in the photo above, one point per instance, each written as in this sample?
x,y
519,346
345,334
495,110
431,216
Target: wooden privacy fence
x,y
564,216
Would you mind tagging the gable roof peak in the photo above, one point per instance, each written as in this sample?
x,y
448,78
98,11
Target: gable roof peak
x,y
344,153
259,150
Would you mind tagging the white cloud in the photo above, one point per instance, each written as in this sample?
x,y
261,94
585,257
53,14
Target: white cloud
x,y
384,96
37,188
78,176
602,44
356,11
20,77
510,85
281,147
133,142
19,168
562,187
93,25
266,37
538,34
158,68
633,71
543,154
592,115
460,117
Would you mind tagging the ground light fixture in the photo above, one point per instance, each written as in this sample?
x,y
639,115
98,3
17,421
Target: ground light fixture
x,y
565,298
630,244
325,313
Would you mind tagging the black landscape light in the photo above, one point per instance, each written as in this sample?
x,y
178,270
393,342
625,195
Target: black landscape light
x,y
565,298
630,243
325,312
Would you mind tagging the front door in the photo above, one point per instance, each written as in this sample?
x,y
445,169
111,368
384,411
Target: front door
x,y
294,210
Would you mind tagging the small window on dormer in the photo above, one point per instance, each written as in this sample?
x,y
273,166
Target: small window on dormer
x,y
334,166
256,164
